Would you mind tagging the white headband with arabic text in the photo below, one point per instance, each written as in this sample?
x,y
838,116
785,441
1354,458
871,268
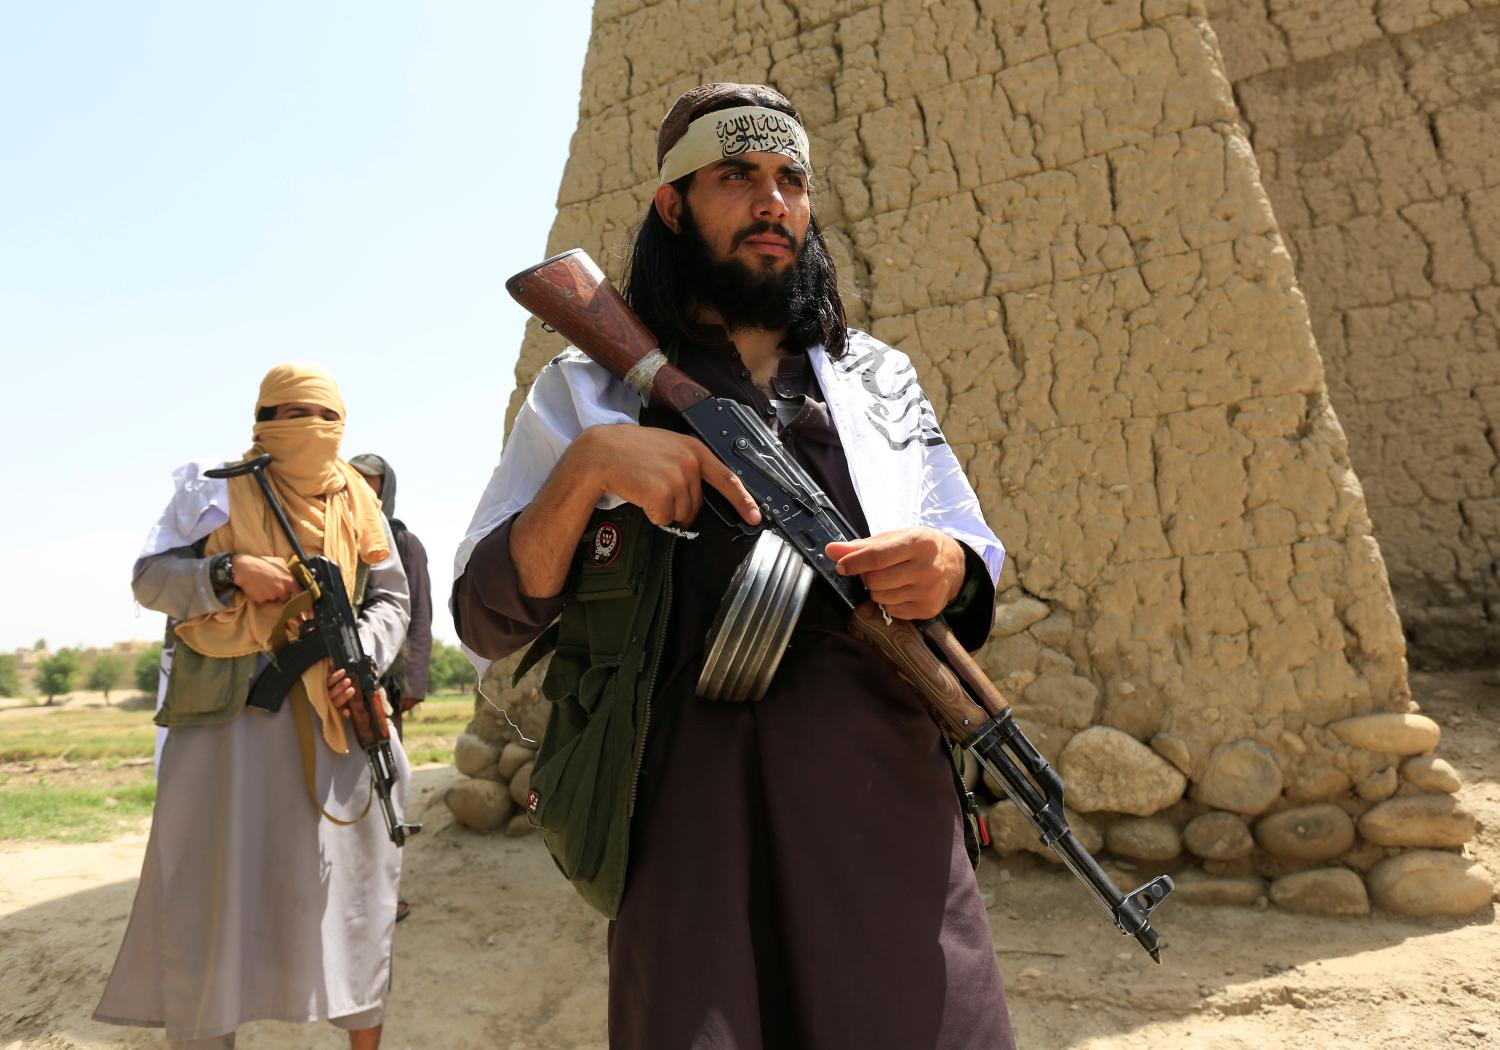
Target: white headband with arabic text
x,y
730,132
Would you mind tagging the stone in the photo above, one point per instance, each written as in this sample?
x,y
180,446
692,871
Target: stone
x,y
520,785
1364,856
1218,836
1143,838
482,805
1390,733
1174,751
1319,784
488,725
1106,769
1418,820
1306,833
1054,632
971,771
1194,887
519,826
1065,700
1014,617
1010,832
505,713
1243,866
1430,773
473,755
1324,891
1379,785
1430,882
512,757
1242,776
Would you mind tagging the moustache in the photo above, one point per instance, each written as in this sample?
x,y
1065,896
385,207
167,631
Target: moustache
x,y
763,227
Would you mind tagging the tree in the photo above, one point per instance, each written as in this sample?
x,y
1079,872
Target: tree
x,y
10,676
41,645
55,673
450,670
148,669
106,673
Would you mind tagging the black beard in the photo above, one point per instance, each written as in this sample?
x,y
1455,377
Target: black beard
x,y
744,297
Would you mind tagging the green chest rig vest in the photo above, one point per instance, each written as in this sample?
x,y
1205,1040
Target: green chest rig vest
x,y
606,649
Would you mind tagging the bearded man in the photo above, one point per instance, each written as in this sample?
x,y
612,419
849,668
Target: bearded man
x,y
251,905
784,873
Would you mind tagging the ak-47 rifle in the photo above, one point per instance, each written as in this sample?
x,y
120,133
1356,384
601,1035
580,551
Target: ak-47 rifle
x,y
332,632
572,296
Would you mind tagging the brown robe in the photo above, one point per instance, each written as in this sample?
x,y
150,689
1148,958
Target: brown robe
x,y
798,875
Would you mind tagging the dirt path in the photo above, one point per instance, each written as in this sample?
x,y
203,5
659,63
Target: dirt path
x,y
501,955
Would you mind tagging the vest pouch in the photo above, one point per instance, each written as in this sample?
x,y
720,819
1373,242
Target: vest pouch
x,y
581,780
577,789
583,768
610,554
204,690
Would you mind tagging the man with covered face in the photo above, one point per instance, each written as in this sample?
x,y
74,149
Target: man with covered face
x,y
268,889
790,872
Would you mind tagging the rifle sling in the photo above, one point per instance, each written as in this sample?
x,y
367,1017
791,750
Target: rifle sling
x,y
301,705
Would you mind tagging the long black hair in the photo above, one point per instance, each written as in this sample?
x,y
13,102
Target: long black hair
x,y
656,286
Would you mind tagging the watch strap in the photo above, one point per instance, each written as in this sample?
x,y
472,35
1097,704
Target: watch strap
x,y
221,571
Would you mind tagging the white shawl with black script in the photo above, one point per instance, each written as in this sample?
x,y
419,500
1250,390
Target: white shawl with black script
x,y
902,468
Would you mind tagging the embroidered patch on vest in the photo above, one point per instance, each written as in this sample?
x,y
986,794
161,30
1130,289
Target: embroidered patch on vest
x,y
606,543
532,801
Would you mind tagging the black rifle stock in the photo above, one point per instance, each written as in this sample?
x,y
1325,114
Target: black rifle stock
x,y
572,296
332,632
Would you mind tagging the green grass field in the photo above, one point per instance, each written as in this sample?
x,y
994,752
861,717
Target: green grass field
x,y
44,810
75,747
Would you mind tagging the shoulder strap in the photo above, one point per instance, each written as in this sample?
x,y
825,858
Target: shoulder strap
x,y
545,643
297,694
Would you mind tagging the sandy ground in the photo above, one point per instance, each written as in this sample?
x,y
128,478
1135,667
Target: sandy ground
x,y
499,953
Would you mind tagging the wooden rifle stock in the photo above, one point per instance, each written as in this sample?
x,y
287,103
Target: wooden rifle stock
x,y
572,296
902,644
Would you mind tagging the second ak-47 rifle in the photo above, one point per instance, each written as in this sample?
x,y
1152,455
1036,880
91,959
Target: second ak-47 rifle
x,y
571,295
332,632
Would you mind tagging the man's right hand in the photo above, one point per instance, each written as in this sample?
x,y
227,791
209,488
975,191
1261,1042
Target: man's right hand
x,y
657,470
263,579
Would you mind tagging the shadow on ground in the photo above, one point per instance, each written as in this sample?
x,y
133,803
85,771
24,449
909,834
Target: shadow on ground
x,y
499,952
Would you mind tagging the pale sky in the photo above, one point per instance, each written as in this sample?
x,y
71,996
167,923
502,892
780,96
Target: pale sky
x,y
191,193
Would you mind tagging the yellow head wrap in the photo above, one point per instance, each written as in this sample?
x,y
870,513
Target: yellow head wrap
x,y
331,508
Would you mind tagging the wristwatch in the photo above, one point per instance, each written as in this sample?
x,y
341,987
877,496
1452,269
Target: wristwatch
x,y
221,571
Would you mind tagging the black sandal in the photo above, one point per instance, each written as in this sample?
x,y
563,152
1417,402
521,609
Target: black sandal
x,y
403,908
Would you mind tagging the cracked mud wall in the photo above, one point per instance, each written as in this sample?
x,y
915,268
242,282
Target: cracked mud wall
x,y
1377,127
1055,210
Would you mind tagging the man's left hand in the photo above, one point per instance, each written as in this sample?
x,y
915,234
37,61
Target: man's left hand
x,y
342,690
915,573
